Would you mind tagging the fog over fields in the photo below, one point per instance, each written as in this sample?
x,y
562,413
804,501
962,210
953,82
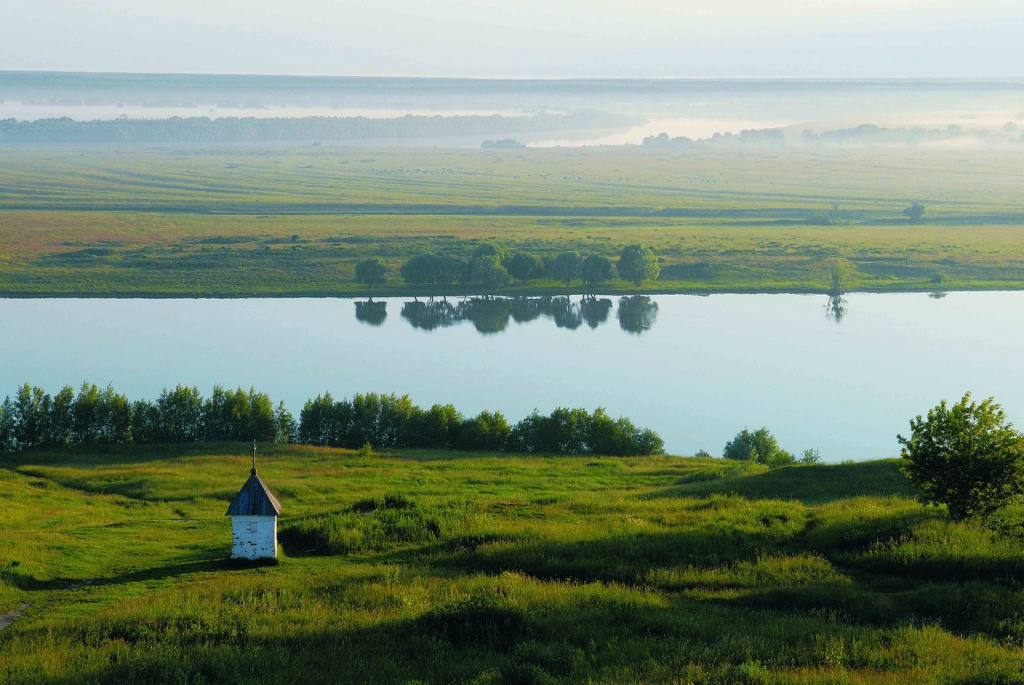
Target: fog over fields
x,y
464,112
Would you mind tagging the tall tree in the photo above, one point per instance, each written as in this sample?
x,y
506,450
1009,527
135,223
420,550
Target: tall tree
x,y
524,267
486,270
596,270
638,264
566,267
432,269
372,272
914,212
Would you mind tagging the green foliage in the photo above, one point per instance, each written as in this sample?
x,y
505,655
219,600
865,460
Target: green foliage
x,y
810,456
830,217
35,419
575,431
638,264
566,267
524,267
841,272
432,269
390,421
914,212
486,271
596,270
487,432
967,457
372,272
370,525
438,427
759,446
180,414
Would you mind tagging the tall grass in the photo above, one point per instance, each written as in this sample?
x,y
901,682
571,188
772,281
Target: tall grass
x,y
441,567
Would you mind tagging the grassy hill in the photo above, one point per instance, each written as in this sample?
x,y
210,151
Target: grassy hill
x,y
445,567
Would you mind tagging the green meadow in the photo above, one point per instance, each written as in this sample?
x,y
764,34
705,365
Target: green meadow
x,y
437,567
290,221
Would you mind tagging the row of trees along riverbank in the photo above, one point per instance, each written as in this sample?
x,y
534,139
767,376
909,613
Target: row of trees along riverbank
x,y
491,266
101,416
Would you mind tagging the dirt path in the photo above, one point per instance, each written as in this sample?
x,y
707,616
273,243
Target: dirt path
x,y
8,618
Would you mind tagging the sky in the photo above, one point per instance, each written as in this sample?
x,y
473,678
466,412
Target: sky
x,y
519,38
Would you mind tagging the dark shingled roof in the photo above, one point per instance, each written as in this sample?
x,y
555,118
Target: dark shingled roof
x,y
254,499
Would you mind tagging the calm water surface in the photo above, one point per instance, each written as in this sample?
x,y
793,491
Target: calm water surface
x,y
696,369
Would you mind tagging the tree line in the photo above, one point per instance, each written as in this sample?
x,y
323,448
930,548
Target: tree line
x,y
390,421
292,129
102,416
34,418
491,266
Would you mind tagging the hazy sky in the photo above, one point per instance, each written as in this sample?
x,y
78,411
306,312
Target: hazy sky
x,y
541,38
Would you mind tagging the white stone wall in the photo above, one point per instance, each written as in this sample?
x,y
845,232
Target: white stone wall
x,y
253,537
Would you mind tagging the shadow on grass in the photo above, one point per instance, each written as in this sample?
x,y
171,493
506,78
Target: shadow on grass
x,y
25,581
603,620
505,632
756,572
808,484
111,455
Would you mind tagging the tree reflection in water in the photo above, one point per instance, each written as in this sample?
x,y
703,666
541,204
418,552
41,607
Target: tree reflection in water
x,y
430,315
492,314
372,313
836,308
595,311
637,313
487,314
526,309
565,313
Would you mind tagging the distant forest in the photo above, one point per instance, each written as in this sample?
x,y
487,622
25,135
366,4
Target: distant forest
x,y
294,130
865,134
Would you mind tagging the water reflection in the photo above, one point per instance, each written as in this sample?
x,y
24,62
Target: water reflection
x,y
637,313
429,315
491,315
372,313
595,311
488,314
836,308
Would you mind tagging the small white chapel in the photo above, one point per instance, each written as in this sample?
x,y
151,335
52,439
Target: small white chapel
x,y
254,513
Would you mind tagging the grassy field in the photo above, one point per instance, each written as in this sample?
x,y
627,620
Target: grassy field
x,y
444,568
294,221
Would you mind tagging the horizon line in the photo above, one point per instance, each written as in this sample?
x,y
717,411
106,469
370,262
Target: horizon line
x,y
975,78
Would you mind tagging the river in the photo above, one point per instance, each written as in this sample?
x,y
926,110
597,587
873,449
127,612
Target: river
x,y
695,369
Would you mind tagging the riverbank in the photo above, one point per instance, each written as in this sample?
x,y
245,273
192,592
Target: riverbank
x,y
295,222
525,292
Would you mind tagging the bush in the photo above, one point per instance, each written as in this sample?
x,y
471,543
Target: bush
x,y
488,431
371,272
759,446
374,524
966,456
576,431
810,456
